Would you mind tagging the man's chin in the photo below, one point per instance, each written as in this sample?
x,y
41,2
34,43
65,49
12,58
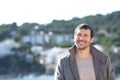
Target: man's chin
x,y
81,48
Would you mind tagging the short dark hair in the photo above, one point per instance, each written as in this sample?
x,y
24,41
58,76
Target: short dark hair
x,y
84,26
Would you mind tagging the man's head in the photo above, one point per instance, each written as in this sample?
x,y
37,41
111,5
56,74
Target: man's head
x,y
83,36
84,26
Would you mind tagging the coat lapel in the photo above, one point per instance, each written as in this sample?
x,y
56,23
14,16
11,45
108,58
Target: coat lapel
x,y
73,64
74,69
97,68
96,63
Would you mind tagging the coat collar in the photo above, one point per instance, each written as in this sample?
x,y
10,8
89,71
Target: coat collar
x,y
95,53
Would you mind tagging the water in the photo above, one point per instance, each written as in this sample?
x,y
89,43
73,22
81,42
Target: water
x,y
44,77
118,78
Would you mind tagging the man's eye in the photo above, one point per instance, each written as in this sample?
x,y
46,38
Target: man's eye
x,y
79,35
85,35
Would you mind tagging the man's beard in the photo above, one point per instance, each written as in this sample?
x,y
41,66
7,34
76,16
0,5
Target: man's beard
x,y
78,44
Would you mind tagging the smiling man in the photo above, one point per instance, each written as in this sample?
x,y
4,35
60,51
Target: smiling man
x,y
84,62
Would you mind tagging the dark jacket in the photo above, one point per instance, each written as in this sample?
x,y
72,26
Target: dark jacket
x,y
67,66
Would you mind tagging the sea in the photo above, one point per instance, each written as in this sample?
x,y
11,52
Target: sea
x,y
43,77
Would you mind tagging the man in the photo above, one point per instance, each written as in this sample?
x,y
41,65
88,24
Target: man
x,y
84,62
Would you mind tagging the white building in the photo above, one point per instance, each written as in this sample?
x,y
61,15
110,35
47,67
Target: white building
x,y
6,46
46,38
54,54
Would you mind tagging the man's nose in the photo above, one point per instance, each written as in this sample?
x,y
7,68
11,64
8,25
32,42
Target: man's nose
x,y
81,38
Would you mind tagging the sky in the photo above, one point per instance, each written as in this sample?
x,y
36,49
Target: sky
x,y
45,11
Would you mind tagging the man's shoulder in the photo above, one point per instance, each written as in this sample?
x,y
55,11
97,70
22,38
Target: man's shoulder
x,y
99,54
102,55
65,58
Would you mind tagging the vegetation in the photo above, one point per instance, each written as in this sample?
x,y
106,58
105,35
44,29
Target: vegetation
x,y
15,65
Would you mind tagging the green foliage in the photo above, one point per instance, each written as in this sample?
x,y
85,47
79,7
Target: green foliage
x,y
52,44
116,41
99,37
17,37
65,44
18,65
6,30
107,41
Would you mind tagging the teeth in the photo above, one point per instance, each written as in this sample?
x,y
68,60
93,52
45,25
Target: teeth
x,y
81,42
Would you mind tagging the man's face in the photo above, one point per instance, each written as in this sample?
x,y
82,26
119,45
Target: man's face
x,y
82,38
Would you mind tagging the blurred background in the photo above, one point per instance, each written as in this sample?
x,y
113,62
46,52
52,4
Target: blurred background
x,y
34,35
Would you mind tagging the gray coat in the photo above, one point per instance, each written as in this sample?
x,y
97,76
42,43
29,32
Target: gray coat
x,y
67,66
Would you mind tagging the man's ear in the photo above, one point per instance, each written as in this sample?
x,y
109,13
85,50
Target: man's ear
x,y
92,39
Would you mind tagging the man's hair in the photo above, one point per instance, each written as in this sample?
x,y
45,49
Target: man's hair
x,y
84,26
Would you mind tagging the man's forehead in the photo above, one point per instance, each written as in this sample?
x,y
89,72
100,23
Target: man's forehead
x,y
83,30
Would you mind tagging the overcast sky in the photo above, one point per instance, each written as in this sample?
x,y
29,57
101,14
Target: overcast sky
x,y
45,11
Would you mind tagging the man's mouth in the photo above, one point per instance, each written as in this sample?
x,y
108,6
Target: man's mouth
x,y
82,41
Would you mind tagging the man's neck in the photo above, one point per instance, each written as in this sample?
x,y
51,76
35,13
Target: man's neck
x,y
83,53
